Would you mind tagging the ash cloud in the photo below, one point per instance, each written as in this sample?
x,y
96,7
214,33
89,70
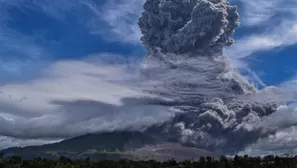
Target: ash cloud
x,y
186,26
218,109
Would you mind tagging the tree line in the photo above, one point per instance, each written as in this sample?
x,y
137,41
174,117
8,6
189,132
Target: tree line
x,y
203,162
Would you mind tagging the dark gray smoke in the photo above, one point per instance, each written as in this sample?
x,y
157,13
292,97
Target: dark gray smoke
x,y
186,26
185,64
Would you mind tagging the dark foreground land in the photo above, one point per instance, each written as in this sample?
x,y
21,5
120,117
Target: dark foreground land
x,y
203,162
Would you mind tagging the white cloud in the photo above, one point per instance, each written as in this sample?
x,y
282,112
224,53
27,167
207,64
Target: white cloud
x,y
278,142
6,142
277,21
275,32
121,17
283,142
55,9
17,50
282,125
72,98
280,36
114,20
257,12
260,12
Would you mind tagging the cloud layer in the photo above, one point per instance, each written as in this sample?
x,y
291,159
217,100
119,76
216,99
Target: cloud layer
x,y
276,21
72,98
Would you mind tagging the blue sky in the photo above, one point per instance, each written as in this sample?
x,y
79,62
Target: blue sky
x,y
35,33
52,34
52,49
270,26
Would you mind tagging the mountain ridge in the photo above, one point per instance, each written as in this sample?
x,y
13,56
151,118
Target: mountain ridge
x,y
111,146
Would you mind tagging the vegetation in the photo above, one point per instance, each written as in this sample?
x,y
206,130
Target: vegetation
x,y
203,162
112,146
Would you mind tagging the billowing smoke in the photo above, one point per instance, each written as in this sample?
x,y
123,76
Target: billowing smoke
x,y
185,64
188,26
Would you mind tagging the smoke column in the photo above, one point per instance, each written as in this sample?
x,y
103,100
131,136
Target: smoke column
x,y
185,64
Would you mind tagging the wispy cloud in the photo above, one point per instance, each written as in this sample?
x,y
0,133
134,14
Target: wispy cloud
x,y
6,142
57,10
257,12
31,109
114,20
121,17
277,23
277,20
280,36
18,51
282,141
76,97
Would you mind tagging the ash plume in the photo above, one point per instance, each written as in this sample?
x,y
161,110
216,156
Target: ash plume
x,y
188,26
185,64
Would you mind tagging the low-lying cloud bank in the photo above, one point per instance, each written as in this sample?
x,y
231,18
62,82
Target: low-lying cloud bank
x,y
72,98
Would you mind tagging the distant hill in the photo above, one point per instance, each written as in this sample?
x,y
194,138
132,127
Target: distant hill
x,y
111,146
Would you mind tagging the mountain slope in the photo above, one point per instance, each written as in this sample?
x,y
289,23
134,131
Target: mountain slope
x,y
112,146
